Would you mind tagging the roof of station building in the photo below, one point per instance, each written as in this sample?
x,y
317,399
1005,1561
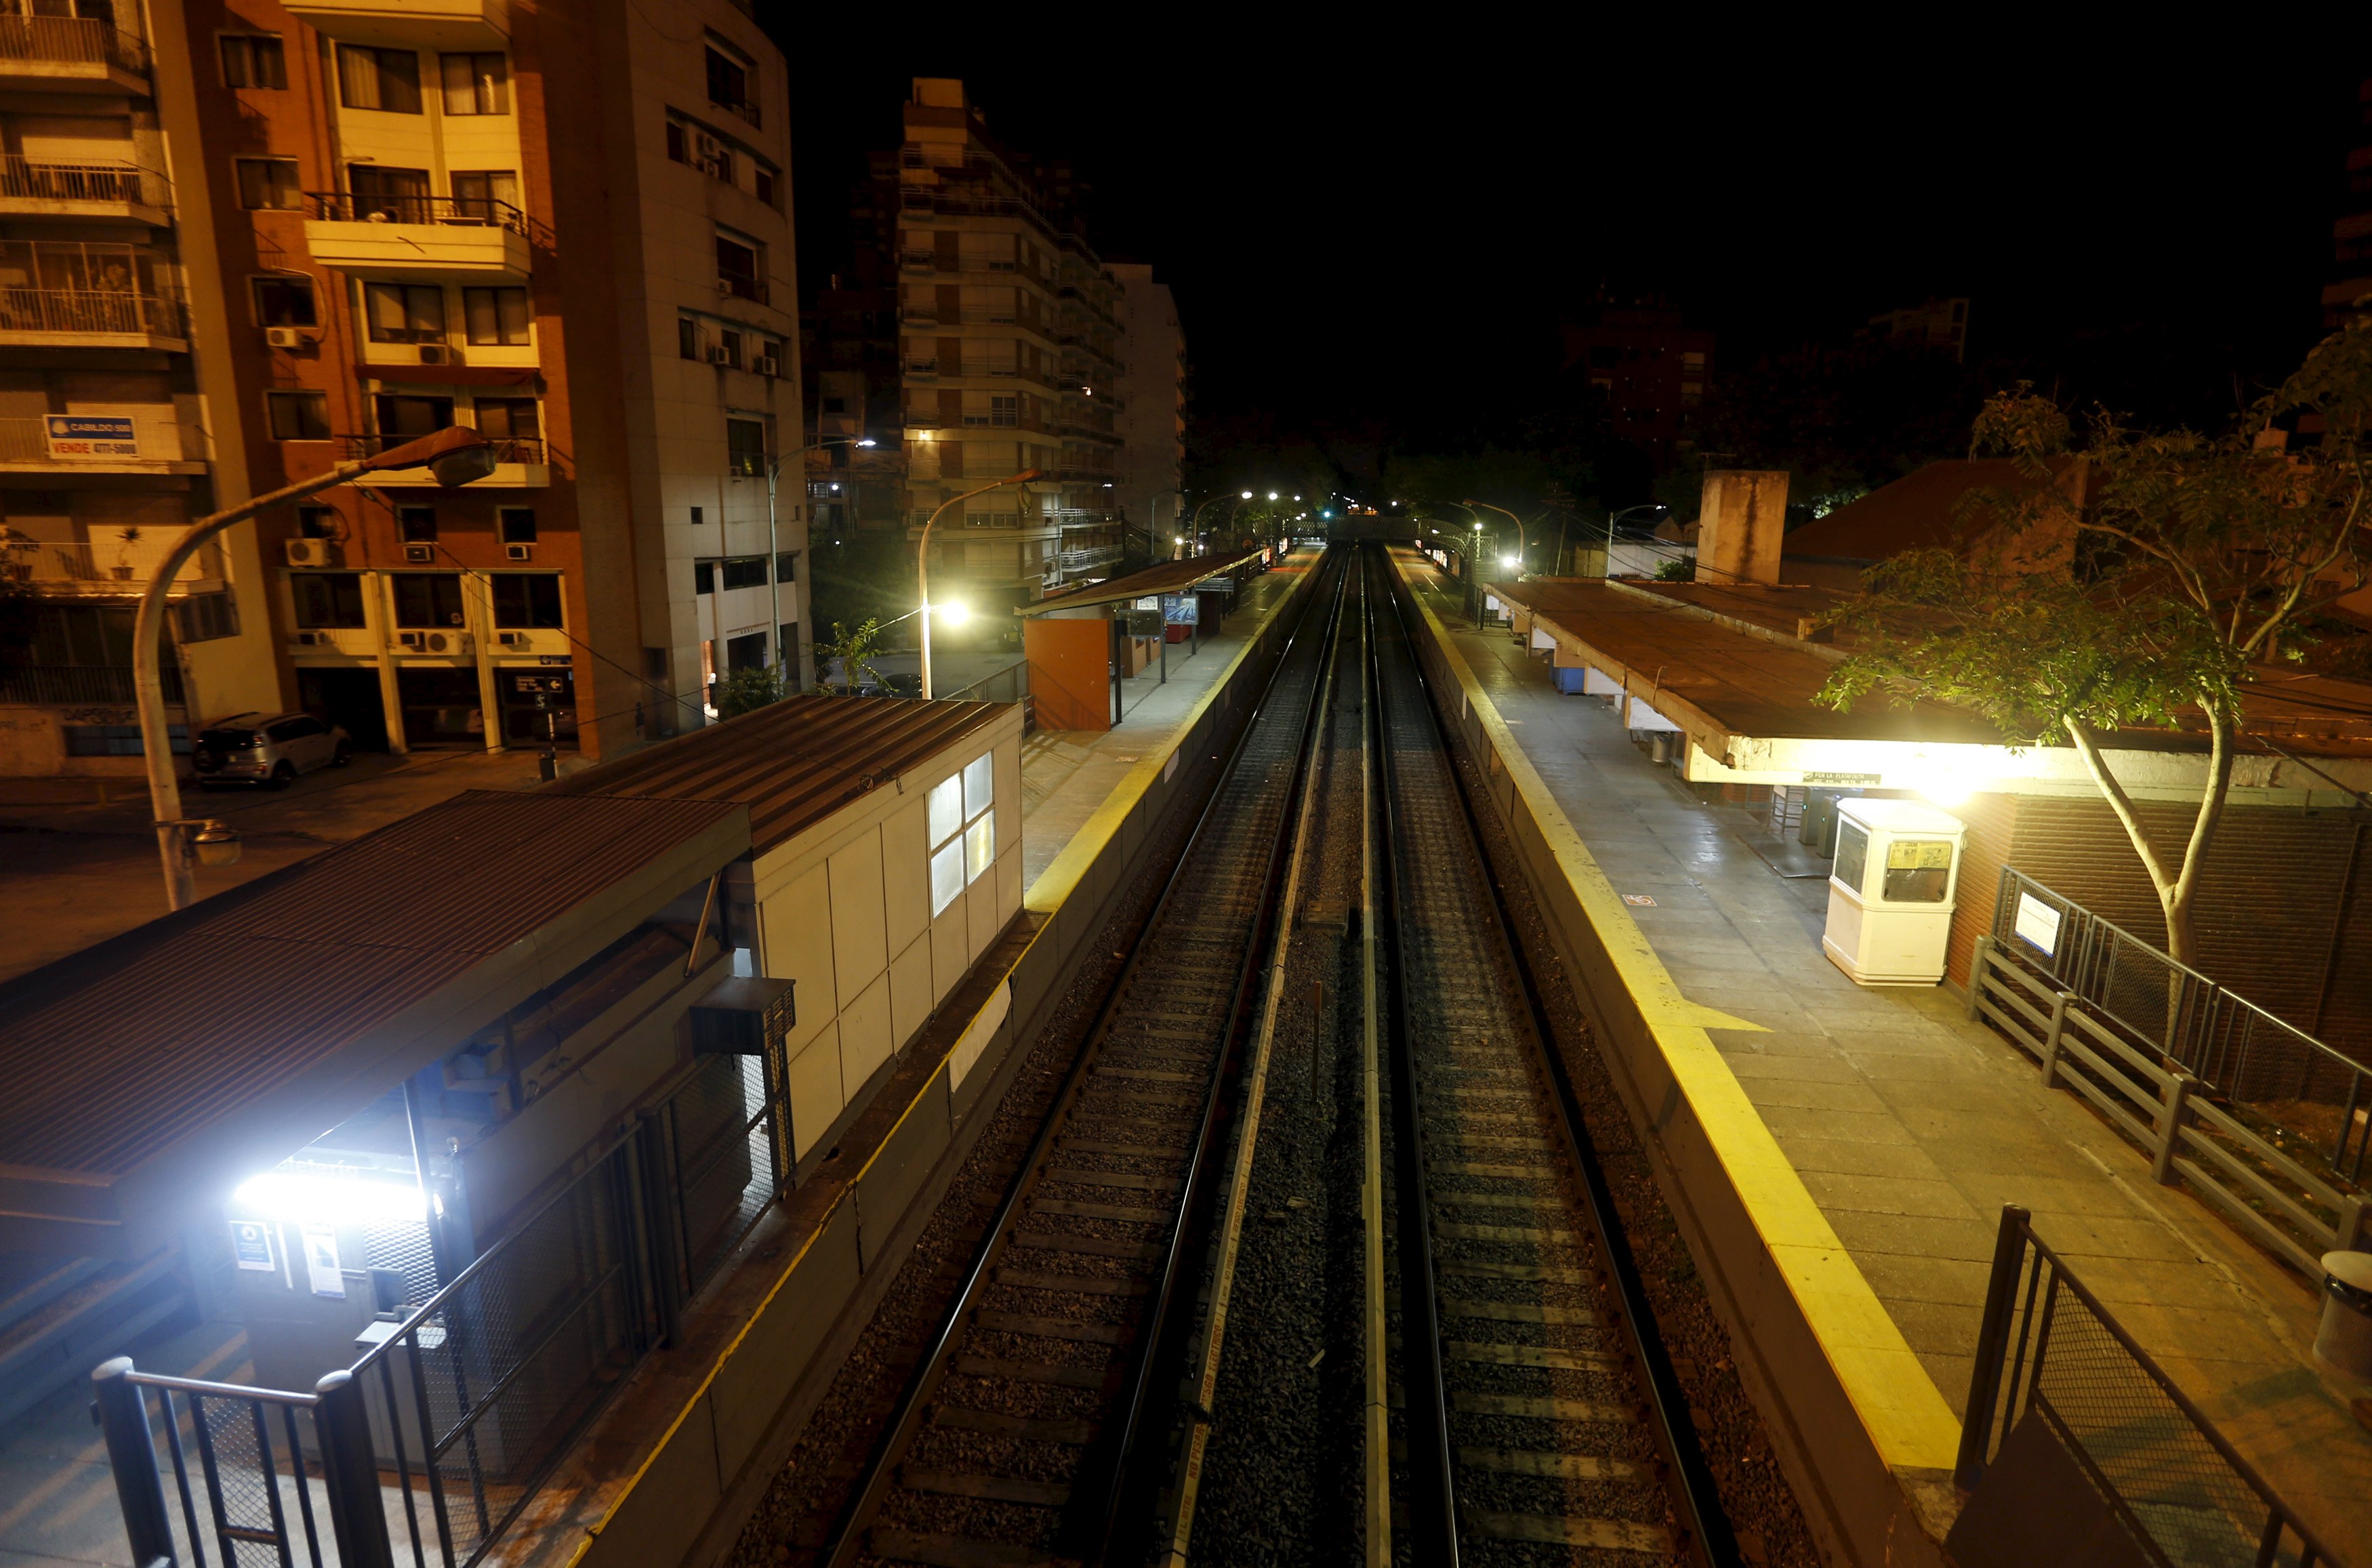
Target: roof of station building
x,y
793,763
1166,577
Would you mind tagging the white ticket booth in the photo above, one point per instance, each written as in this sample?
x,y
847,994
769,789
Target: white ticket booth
x,y
1890,894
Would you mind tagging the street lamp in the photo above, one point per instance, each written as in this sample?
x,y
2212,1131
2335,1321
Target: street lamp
x,y
774,549
454,455
1614,518
1521,551
923,560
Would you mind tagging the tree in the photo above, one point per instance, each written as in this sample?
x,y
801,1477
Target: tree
x,y
743,691
2184,565
847,654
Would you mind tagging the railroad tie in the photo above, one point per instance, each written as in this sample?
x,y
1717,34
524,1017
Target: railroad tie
x,y
1541,1408
1083,1285
1560,1466
1046,1328
956,1552
1103,1379
963,1418
993,1488
1564,1529
1096,1246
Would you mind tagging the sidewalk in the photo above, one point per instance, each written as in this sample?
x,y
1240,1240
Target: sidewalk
x,y
1911,1126
1066,774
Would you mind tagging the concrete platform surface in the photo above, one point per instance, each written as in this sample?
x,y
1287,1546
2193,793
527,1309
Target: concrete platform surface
x,y
1068,773
1911,1126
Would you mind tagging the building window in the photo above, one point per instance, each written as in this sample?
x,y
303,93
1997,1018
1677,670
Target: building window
x,y
731,344
476,84
747,651
703,577
253,59
494,315
786,566
286,299
962,830
417,525
766,187
732,85
269,185
404,417
687,337
383,79
404,313
317,522
1004,410
328,599
745,447
298,417
677,150
383,194
526,600
489,196
428,598
745,572
509,419
738,270
516,525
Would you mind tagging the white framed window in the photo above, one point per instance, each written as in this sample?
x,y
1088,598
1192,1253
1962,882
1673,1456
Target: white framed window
x,y
961,822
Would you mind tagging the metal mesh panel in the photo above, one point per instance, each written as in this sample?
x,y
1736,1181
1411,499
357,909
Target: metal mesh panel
x,y
250,1483
725,1159
404,1246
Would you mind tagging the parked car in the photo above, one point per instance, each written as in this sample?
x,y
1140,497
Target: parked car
x,y
902,685
270,750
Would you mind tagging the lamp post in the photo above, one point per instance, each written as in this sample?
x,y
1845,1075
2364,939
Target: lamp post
x,y
456,455
1521,549
923,559
774,549
1614,518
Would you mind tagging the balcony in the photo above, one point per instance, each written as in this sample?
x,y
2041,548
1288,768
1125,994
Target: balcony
x,y
154,443
30,189
521,462
70,54
409,24
417,236
91,318
740,286
107,569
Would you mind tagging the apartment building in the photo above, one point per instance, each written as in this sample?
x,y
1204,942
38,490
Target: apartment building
x,y
1653,369
977,334
570,232
104,449
1153,456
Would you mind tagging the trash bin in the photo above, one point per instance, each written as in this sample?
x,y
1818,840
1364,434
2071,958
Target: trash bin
x,y
2345,1338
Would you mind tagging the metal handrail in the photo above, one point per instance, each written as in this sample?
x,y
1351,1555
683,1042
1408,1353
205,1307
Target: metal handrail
x,y
31,180
77,39
464,211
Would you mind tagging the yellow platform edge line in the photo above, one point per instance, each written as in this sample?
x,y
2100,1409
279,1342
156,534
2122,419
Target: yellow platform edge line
x,y
1908,1421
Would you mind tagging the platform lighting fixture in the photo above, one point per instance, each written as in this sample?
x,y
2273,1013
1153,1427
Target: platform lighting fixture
x,y
295,1195
1271,494
1509,562
1248,494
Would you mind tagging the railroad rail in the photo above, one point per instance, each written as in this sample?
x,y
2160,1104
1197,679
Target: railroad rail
x,y
1541,1410
1015,1440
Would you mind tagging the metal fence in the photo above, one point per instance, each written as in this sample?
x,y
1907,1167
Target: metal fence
x,y
2226,1041
81,685
78,41
467,1402
2162,1053
2058,1381
90,312
28,179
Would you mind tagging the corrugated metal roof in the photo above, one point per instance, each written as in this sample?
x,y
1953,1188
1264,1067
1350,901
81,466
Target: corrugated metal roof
x,y
1169,577
1918,511
112,1054
793,763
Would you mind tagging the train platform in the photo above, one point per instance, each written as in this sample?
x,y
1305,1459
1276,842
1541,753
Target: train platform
x,y
1910,1126
1067,775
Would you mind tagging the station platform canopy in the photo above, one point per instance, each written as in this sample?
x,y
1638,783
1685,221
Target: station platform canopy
x,y
1166,577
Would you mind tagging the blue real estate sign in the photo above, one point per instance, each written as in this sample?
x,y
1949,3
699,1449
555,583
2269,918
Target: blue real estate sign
x,y
85,436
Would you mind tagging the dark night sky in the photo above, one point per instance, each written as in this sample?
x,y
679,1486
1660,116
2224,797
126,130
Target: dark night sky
x,y
1391,239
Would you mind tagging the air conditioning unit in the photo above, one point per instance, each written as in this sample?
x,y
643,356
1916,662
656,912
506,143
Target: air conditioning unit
x,y
283,337
432,354
420,554
307,639
512,639
770,365
433,642
717,354
309,551
519,552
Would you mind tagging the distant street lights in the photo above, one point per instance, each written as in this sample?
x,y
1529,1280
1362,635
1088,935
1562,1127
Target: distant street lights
x,y
955,615
454,455
1521,549
1614,518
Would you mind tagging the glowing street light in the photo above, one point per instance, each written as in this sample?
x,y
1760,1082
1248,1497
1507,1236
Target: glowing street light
x,y
923,560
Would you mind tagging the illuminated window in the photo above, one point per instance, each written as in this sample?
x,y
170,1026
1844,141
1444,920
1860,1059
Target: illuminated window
x,y
962,827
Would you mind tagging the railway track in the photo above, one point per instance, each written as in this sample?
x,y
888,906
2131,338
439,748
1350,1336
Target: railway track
x,y
1013,1443
1514,1402
1543,1421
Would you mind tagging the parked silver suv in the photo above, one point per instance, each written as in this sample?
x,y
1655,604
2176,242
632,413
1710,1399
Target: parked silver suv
x,y
267,748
